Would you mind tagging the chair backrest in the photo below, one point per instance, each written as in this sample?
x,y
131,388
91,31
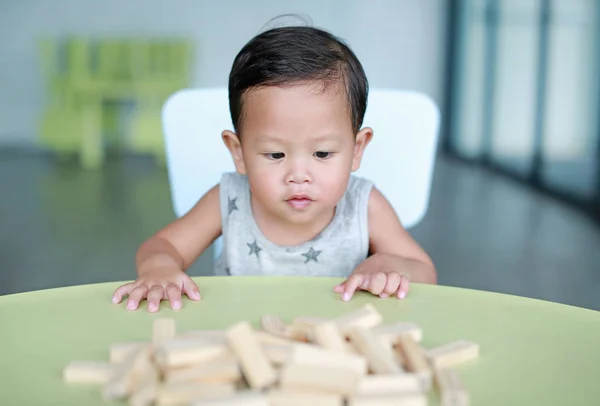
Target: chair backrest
x,y
400,158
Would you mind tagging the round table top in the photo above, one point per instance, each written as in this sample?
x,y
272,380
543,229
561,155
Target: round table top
x,y
531,351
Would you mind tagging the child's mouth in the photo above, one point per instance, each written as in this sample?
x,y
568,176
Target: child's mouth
x,y
299,202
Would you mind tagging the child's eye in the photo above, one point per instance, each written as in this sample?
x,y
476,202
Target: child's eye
x,y
322,154
275,155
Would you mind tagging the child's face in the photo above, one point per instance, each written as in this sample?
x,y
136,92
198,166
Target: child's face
x,y
297,149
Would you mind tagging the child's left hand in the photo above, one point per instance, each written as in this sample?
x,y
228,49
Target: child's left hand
x,y
382,275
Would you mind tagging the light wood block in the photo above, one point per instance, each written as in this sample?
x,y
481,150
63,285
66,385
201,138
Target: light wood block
x,y
392,331
241,398
186,393
310,378
280,397
118,351
183,352
278,354
257,368
366,317
122,381
163,330
450,388
210,336
220,370
415,359
275,326
412,399
302,328
389,384
270,339
316,356
452,354
87,372
146,384
328,335
380,359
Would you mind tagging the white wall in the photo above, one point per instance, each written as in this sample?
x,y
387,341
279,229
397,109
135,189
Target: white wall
x,y
400,42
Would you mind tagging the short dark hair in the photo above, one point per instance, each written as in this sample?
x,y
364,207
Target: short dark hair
x,y
291,55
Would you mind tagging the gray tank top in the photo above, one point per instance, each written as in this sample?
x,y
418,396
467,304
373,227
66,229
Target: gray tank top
x,y
336,251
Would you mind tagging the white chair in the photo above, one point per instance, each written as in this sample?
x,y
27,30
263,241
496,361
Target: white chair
x,y
400,158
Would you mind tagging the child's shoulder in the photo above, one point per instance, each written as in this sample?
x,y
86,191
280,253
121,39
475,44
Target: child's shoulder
x,y
233,180
359,186
357,195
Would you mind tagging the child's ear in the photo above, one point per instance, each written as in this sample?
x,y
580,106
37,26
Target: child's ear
x,y
232,142
360,143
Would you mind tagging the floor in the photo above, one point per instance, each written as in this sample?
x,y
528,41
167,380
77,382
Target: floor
x,y
62,226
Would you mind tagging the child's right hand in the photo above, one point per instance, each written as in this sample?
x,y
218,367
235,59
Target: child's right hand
x,y
155,285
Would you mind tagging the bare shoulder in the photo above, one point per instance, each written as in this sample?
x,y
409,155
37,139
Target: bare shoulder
x,y
386,232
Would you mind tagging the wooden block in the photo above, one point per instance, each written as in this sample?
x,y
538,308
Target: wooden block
x,y
118,352
278,354
275,326
186,393
281,397
452,354
450,388
220,370
145,387
414,359
163,330
241,398
339,381
328,335
407,399
183,352
212,336
270,339
87,372
255,365
392,331
121,383
302,328
389,384
380,359
313,355
365,317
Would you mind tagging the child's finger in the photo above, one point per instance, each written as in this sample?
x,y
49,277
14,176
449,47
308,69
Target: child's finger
x,y
154,297
350,286
174,295
364,285
191,289
392,284
122,291
377,282
136,296
404,287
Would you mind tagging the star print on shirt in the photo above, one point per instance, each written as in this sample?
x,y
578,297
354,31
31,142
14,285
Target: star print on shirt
x,y
254,248
231,204
311,255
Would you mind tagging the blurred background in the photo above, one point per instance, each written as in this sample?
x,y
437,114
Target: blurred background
x,y
515,198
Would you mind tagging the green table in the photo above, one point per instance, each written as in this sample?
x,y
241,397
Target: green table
x,y
532,352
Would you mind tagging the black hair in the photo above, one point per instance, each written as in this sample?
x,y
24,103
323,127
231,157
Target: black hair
x,y
292,55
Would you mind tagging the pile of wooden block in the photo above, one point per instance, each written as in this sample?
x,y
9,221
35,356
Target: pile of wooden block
x,y
352,360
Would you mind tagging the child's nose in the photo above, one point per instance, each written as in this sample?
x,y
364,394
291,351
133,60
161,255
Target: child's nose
x,y
299,173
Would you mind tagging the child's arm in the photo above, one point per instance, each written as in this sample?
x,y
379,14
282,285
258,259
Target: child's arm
x,y
396,257
161,260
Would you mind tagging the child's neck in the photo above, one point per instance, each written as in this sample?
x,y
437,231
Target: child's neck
x,y
285,233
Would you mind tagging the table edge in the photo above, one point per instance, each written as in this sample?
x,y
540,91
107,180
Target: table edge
x,y
475,291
